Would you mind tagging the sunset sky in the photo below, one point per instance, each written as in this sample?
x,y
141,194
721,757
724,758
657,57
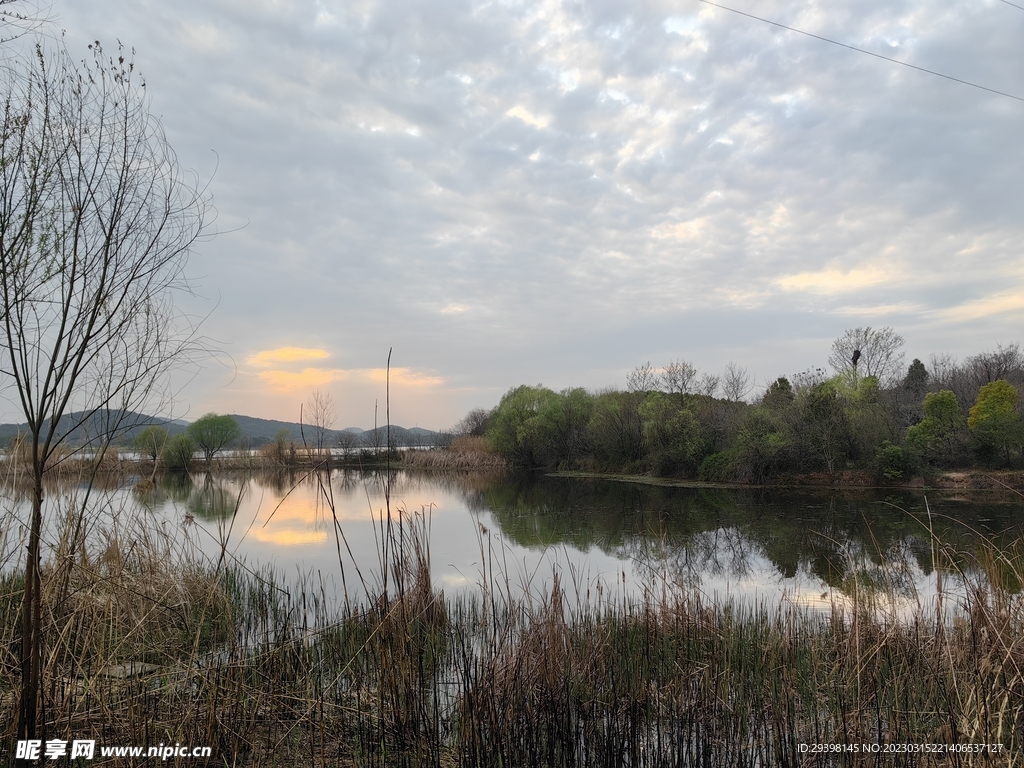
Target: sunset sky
x,y
557,192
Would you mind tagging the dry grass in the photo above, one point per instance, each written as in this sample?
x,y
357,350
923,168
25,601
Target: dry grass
x,y
464,453
147,642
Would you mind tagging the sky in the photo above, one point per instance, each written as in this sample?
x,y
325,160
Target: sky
x,y
555,192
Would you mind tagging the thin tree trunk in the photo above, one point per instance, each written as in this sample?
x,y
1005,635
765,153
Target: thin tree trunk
x,y
31,625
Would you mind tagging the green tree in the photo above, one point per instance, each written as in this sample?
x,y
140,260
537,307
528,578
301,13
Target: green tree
x,y
515,430
905,401
939,436
212,433
177,453
893,462
150,441
871,422
916,380
824,426
672,435
779,395
763,445
560,427
994,422
617,430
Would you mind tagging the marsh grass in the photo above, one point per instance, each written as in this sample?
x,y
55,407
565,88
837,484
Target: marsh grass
x,y
467,452
149,642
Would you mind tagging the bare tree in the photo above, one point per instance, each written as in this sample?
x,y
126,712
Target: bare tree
x,y
879,354
1005,363
320,414
737,382
708,384
347,441
642,379
808,379
942,368
96,223
967,378
473,423
679,377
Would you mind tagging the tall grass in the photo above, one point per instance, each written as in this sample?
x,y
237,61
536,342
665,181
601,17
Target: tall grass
x,y
148,642
467,452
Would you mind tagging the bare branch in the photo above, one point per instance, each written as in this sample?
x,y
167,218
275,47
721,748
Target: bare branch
x,y
879,354
679,377
96,223
642,379
737,382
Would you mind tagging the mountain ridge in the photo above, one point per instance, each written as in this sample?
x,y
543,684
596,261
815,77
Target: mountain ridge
x,y
255,431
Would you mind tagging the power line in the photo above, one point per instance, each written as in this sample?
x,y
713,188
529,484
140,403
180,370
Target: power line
x,y
1013,4
869,53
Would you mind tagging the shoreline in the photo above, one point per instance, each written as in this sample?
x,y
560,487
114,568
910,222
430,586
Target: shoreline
x,y
1011,481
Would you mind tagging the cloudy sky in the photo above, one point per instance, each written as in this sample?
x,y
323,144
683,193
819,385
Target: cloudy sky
x,y
557,192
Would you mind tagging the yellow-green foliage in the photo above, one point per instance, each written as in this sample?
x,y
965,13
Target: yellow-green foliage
x,y
994,421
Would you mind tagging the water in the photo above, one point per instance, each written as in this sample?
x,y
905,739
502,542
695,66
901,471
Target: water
x,y
603,537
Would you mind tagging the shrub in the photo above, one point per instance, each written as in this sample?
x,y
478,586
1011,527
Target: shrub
x,y
940,436
150,442
177,453
893,462
718,467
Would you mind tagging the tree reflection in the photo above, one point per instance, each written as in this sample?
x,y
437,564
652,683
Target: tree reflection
x,y
215,498
855,542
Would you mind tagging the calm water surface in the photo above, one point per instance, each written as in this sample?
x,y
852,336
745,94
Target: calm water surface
x,y
602,537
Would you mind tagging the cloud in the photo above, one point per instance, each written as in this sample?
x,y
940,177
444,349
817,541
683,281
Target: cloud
x,y
999,305
402,377
684,230
299,381
310,378
526,117
286,355
508,193
834,281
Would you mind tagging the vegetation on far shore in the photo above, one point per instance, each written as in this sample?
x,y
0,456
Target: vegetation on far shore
x,y
891,424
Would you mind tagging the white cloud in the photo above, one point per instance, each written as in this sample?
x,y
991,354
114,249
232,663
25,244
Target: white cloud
x,y
508,193
527,117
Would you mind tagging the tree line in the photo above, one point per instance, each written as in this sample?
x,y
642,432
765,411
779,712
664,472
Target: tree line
x,y
871,413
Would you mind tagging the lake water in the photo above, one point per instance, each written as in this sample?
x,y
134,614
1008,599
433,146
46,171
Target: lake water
x,y
603,537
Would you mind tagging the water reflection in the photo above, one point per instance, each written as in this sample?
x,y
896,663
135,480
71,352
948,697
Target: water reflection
x,y
599,533
846,541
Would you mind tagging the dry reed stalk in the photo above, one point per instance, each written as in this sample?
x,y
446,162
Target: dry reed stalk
x,y
151,642
463,453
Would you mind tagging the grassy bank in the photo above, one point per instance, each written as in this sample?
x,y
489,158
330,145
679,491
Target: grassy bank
x,y
147,643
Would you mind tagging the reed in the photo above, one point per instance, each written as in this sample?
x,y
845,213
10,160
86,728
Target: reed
x,y
148,642
468,452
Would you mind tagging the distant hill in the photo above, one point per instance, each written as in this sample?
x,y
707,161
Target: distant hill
x,y
261,431
400,436
81,429
255,431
